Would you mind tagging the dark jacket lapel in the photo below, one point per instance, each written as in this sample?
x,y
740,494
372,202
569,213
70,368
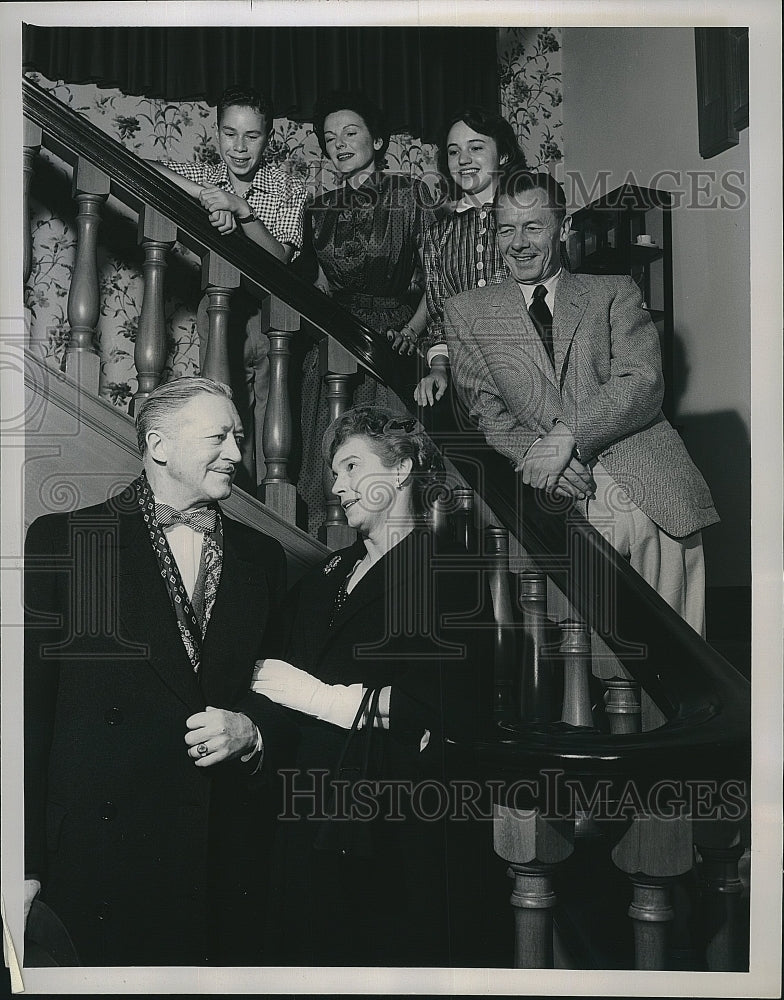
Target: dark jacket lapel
x,y
146,612
231,642
396,568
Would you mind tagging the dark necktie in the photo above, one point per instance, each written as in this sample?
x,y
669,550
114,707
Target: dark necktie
x,y
542,319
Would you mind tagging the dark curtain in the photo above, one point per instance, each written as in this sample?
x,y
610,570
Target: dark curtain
x,y
420,76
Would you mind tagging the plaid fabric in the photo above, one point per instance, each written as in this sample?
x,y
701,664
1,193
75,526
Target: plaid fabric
x,y
460,253
276,198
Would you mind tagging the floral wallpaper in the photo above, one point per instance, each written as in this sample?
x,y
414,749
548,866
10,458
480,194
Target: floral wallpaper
x,y
530,96
529,73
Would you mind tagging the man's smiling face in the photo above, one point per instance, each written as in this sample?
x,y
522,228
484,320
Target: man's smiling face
x,y
529,235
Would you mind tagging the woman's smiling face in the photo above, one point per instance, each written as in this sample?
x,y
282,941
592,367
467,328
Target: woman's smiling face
x,y
365,486
473,160
348,142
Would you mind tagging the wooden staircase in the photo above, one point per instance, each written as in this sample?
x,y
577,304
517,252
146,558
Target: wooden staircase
x,y
610,868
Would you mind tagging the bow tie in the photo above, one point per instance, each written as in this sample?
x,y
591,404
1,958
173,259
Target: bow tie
x,y
205,519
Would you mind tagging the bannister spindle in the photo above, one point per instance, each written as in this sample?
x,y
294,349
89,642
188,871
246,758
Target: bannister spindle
x,y
533,846
536,681
652,914
338,369
497,543
90,190
653,852
722,920
623,706
218,279
463,521
31,145
156,235
576,652
277,491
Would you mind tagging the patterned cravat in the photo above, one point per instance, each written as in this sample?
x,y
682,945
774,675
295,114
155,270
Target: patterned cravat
x,y
542,319
192,629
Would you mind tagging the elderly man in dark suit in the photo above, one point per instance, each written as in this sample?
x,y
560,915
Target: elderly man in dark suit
x,y
563,374
146,819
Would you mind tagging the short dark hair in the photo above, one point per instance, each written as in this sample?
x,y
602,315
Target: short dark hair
x,y
168,399
516,183
352,100
246,97
488,123
393,438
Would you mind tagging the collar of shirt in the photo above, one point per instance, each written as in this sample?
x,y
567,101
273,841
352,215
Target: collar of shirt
x,y
186,544
261,180
465,206
550,284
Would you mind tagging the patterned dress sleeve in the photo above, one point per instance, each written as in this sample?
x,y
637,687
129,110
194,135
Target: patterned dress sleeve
x,y
435,288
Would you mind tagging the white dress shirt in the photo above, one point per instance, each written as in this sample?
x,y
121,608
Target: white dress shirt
x,y
186,544
550,284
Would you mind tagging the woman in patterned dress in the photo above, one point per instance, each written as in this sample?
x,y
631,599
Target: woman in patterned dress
x,y
367,237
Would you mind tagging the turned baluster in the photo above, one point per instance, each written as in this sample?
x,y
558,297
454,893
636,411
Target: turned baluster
x,y
31,145
338,369
533,847
90,189
536,680
438,514
653,852
281,322
623,706
156,235
576,652
462,518
218,279
504,659
720,890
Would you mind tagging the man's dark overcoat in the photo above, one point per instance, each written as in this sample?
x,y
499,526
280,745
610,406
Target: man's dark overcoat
x,y
146,858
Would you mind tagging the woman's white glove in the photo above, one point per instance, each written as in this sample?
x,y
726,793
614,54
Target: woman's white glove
x,y
291,687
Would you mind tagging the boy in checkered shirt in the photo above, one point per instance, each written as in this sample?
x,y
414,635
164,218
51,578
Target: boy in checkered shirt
x,y
268,205
264,201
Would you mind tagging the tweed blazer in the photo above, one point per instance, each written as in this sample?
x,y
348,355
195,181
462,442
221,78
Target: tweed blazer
x,y
607,386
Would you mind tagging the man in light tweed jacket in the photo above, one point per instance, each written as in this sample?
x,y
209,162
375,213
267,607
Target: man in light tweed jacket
x,y
563,374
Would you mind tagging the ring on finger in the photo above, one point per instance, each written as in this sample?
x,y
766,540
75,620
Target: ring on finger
x,y
202,749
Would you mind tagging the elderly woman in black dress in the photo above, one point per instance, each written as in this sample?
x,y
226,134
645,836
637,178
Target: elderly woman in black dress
x,y
386,616
367,236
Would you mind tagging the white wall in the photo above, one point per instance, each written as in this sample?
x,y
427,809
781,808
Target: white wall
x,y
630,105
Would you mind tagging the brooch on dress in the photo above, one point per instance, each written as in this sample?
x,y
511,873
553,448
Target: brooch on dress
x,y
334,561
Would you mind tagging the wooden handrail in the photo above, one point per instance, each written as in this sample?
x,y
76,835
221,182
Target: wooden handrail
x,y
706,701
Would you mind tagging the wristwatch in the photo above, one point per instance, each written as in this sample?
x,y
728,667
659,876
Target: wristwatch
x,y
250,217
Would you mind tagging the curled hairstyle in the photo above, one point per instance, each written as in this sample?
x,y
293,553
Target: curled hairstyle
x,y
246,97
370,113
163,403
393,438
510,156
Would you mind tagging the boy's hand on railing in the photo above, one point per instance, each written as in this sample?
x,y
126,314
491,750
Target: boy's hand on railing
x,y
214,199
223,220
433,386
